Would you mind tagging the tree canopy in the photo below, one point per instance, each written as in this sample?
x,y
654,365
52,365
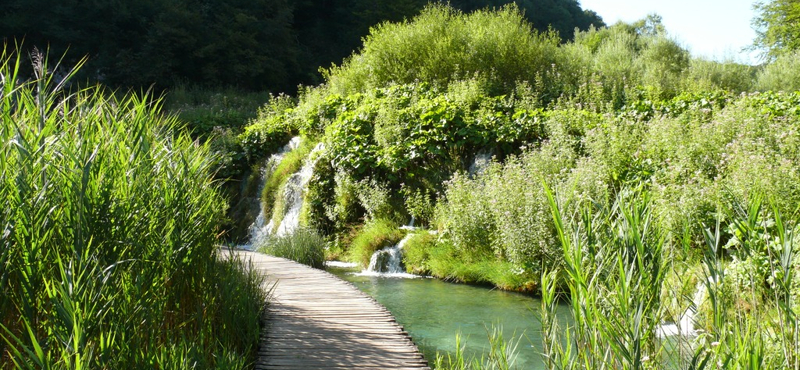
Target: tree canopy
x,y
777,27
250,44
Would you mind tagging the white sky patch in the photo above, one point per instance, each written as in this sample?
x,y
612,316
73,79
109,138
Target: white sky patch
x,y
715,29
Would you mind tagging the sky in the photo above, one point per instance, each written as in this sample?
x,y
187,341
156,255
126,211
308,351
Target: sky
x,y
715,29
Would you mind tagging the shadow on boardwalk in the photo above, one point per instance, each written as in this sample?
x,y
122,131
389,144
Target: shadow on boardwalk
x,y
318,321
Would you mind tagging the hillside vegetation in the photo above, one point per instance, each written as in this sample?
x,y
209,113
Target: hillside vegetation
x,y
255,45
625,175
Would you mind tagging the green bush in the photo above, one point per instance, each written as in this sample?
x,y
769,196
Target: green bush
x,y
781,74
304,245
271,129
442,45
416,252
691,153
709,75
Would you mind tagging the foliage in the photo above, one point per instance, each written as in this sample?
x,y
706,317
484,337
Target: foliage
x,y
270,130
443,45
416,252
218,116
691,153
206,110
777,27
709,75
498,216
615,272
108,255
247,44
270,45
614,268
619,63
303,245
781,74
501,355
277,174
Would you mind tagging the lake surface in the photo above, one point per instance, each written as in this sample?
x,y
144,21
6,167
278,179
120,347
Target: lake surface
x,y
433,311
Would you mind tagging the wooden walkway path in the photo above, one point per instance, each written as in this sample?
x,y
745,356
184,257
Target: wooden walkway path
x,y
318,321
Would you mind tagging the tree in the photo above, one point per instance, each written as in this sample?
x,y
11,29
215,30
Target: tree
x,y
563,16
777,27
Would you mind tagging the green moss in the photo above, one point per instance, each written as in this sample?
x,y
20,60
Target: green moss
x,y
416,252
272,200
376,234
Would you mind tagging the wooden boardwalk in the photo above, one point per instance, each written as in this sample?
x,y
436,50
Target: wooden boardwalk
x,y
318,321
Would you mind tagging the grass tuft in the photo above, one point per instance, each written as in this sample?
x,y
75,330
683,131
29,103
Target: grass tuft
x,y
304,245
375,235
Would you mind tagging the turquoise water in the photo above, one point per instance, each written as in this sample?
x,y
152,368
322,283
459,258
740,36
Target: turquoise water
x,y
433,311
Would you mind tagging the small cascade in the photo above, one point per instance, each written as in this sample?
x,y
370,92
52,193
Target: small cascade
x,y
388,262
410,225
480,163
685,326
258,230
293,194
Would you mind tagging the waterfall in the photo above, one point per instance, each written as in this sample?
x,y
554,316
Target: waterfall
x,y
482,161
293,194
685,325
258,230
388,262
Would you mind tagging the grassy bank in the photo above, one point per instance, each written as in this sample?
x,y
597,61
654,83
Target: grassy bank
x,y
108,253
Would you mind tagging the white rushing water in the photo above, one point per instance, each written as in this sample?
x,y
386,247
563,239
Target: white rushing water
x,y
293,194
258,230
388,262
685,325
480,163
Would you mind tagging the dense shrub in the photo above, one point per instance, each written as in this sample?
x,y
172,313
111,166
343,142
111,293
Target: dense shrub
x,y
442,45
781,74
709,75
270,130
690,159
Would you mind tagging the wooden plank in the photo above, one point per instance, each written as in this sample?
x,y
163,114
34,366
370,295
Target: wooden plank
x,y
317,321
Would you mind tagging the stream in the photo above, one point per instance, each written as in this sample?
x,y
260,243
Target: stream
x,y
433,311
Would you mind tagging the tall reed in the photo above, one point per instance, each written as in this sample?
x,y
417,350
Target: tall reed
x,y
613,279
613,273
108,234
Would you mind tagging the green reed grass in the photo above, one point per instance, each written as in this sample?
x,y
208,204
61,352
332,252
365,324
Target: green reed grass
x,y
108,235
502,354
613,280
